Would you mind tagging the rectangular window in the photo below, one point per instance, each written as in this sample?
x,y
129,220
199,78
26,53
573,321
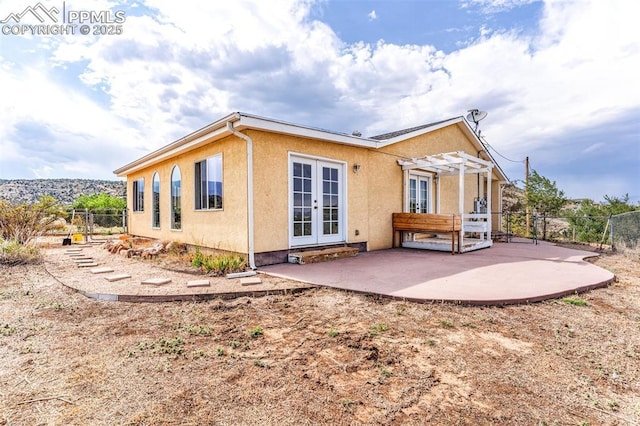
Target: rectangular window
x,y
419,194
208,183
138,195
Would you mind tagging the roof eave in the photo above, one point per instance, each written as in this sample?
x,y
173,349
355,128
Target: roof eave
x,y
242,121
267,124
184,143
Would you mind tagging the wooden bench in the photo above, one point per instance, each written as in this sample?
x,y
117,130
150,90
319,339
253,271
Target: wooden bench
x,y
422,223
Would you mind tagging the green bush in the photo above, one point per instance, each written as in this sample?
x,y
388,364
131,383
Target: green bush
x,y
218,264
13,253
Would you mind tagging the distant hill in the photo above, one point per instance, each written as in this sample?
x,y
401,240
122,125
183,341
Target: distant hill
x,y
66,191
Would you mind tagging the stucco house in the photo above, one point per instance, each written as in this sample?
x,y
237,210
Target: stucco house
x,y
266,188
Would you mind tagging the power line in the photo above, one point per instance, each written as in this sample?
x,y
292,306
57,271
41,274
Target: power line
x,y
484,141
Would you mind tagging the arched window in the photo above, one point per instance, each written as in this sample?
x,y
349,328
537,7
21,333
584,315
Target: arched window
x,y
156,201
176,198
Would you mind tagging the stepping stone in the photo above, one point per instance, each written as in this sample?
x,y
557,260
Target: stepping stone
x,y
101,270
116,277
87,265
241,274
156,281
75,255
198,283
73,250
84,260
250,281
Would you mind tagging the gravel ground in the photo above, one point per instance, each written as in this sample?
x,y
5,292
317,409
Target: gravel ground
x,y
319,356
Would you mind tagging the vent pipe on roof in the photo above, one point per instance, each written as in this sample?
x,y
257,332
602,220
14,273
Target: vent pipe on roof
x,y
250,243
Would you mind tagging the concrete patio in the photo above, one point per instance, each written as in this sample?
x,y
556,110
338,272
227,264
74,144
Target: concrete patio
x,y
507,273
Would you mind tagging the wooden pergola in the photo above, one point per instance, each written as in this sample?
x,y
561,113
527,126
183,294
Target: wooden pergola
x,y
451,164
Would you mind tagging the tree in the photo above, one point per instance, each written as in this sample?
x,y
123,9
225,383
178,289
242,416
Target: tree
x,y
544,198
24,222
615,205
589,221
99,202
514,218
106,209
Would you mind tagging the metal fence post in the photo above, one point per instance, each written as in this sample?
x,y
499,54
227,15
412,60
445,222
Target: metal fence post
x,y
613,247
124,221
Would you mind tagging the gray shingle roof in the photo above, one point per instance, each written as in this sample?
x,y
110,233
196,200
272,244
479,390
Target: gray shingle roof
x,y
392,135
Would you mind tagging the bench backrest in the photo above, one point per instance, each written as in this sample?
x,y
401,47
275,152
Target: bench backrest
x,y
416,222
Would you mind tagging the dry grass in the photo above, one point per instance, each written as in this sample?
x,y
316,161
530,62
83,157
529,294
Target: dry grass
x,y
324,357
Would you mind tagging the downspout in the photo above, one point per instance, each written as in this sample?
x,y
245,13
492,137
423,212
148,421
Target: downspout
x,y
252,263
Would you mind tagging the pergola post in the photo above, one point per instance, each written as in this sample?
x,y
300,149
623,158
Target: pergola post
x,y
461,204
460,163
438,193
489,217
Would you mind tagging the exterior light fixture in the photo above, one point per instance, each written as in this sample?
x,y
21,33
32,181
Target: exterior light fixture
x,y
356,167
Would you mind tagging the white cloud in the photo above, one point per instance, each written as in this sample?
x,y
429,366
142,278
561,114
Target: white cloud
x,y
178,67
372,15
593,148
494,6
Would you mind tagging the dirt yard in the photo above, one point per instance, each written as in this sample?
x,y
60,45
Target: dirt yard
x,y
317,357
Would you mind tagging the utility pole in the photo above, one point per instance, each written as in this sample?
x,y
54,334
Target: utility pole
x,y
526,195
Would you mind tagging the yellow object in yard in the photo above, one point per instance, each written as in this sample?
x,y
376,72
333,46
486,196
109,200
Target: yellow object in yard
x,y
76,238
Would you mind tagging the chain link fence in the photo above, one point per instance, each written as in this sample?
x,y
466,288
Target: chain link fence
x,y
625,231
559,228
95,224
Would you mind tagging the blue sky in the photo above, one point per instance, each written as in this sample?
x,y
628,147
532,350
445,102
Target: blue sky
x,y
559,79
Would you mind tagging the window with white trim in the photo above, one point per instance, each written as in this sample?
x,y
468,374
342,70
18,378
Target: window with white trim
x,y
208,183
138,195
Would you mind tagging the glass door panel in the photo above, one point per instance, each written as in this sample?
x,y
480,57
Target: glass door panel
x,y
316,202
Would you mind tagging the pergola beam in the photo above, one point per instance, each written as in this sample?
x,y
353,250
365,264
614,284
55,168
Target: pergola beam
x,y
457,163
448,163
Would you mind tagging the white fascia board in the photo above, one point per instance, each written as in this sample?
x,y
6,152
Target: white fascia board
x,y
213,131
259,123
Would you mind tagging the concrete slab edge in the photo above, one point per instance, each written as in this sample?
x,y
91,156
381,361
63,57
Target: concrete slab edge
x,y
199,297
489,302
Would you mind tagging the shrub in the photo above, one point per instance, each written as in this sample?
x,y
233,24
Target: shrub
x,y
218,264
13,253
24,222
255,331
198,258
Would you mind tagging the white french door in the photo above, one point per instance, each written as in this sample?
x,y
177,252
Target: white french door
x,y
316,201
419,194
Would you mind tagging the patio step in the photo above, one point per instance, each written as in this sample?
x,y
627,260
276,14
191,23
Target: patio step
x,y
323,255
